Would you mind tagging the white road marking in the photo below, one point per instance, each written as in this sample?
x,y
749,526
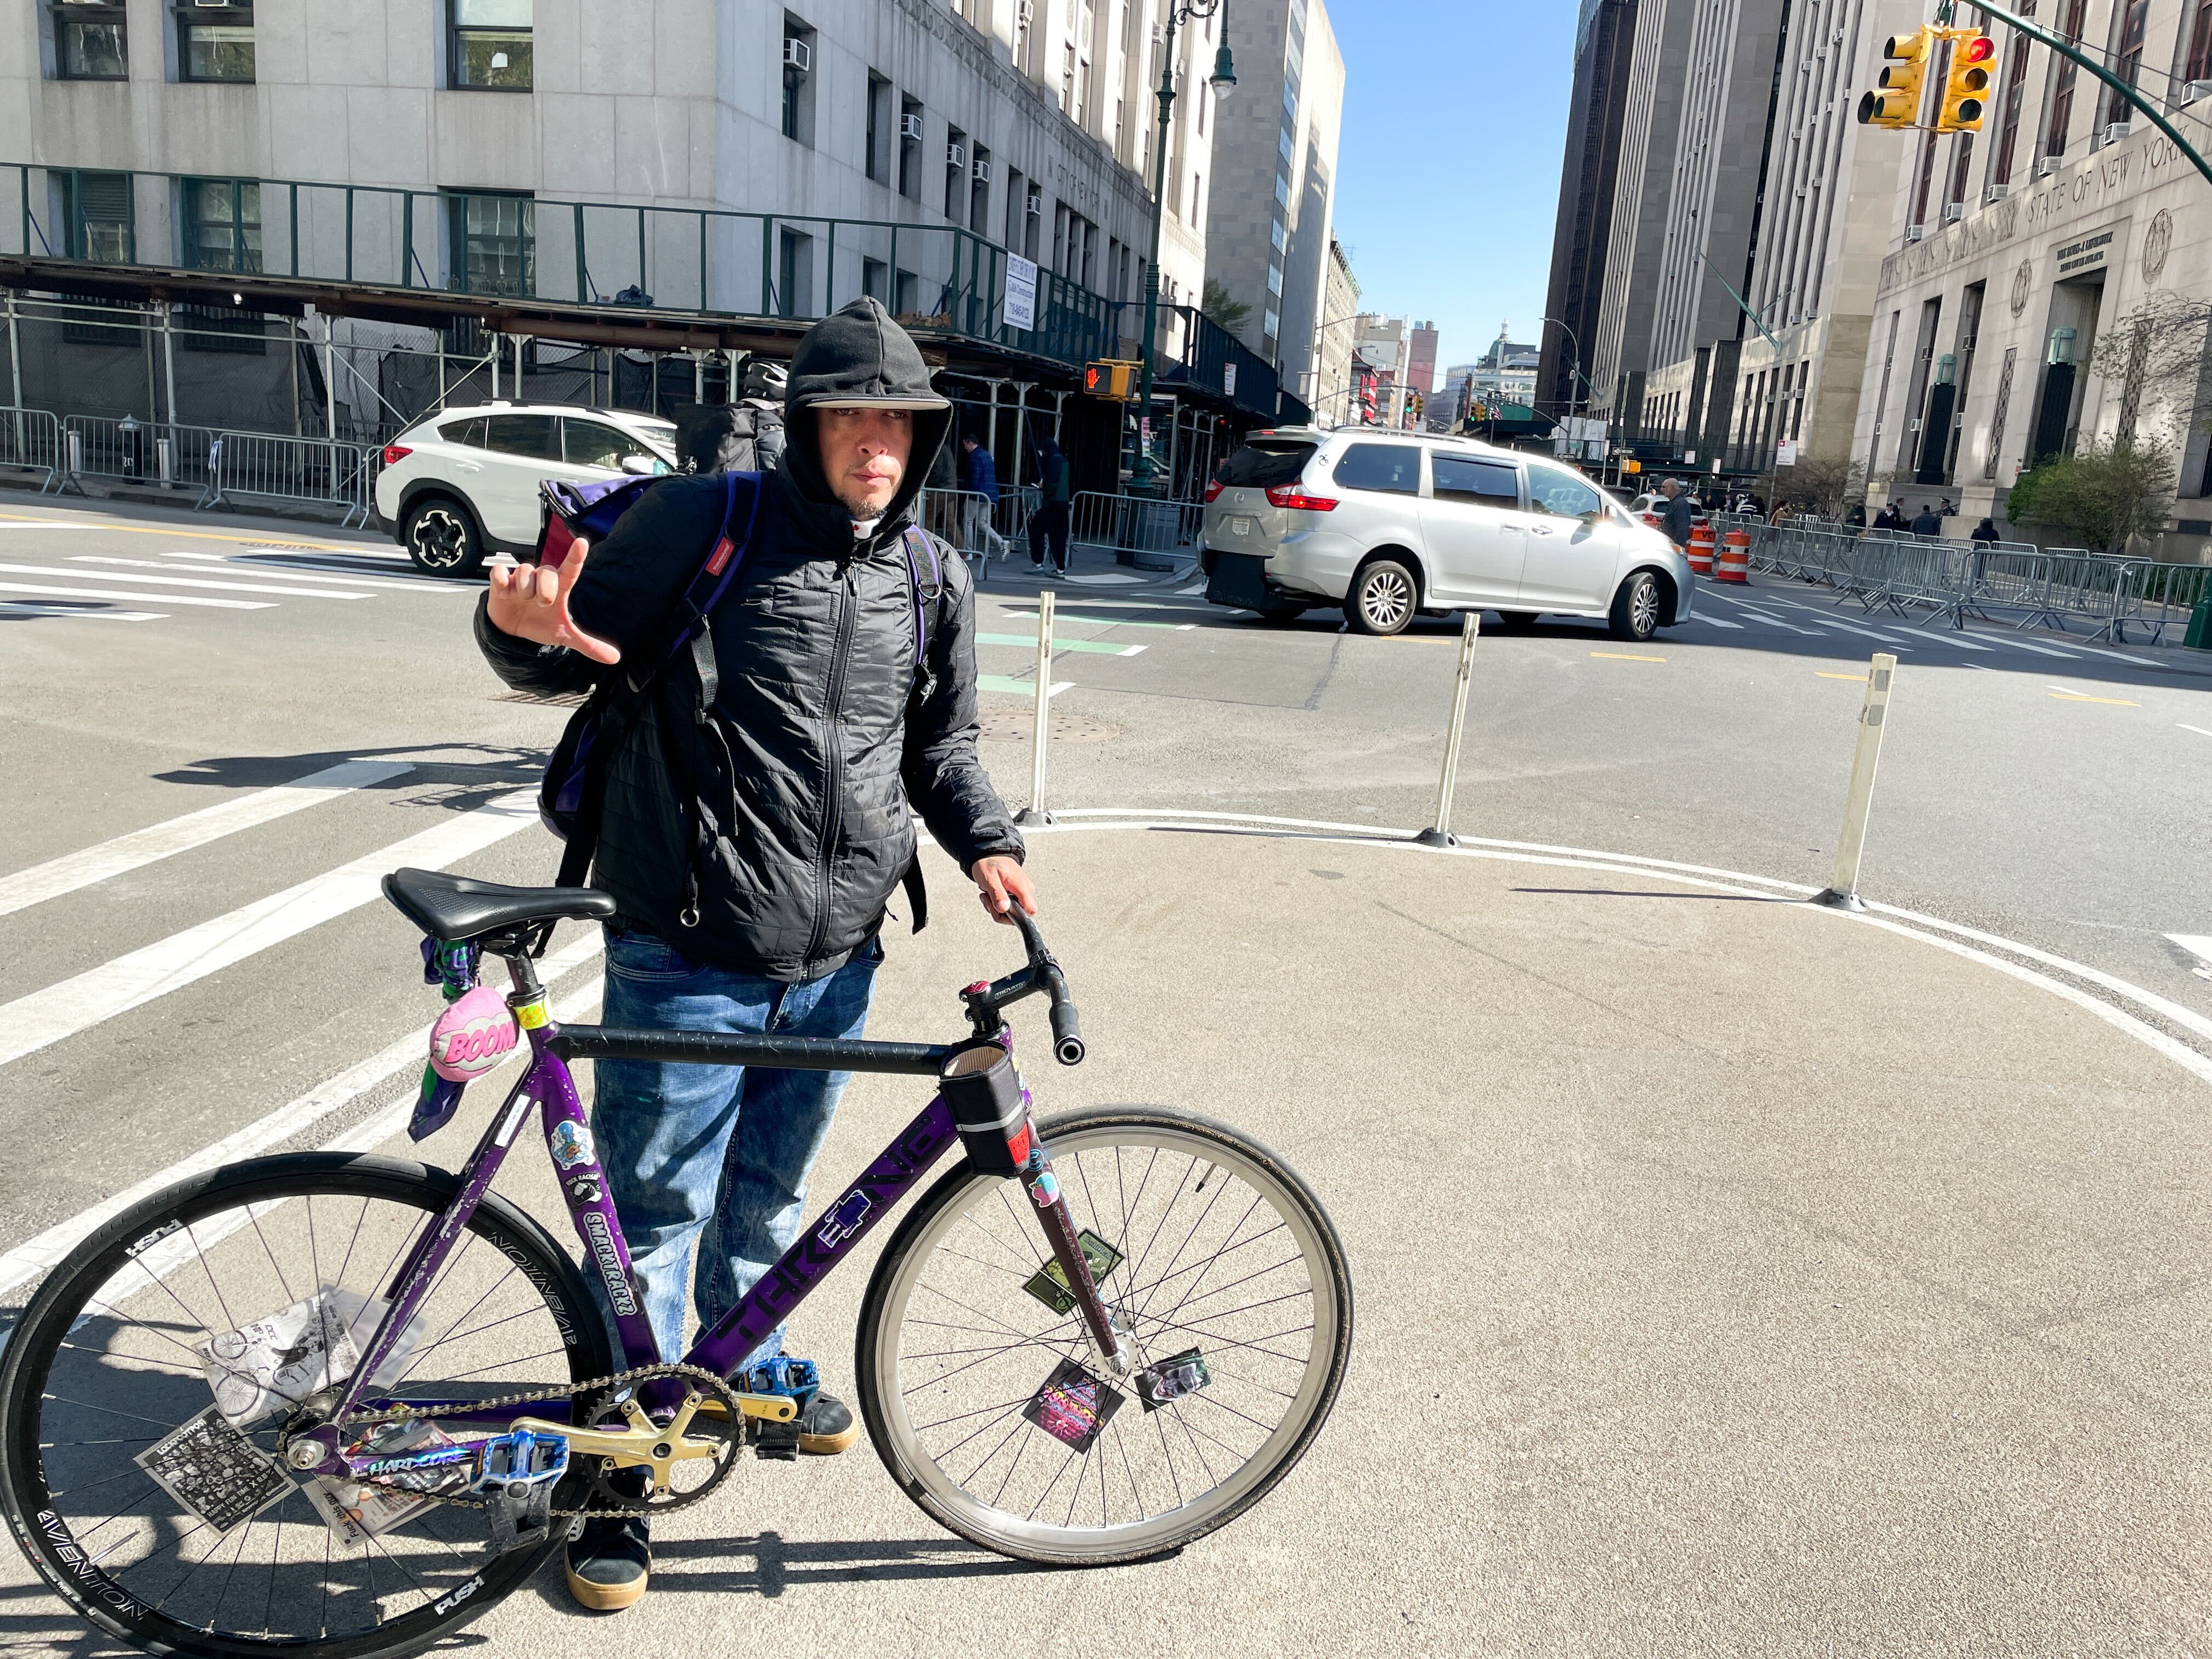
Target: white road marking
x,y
2197,944
2198,730
43,1018
1716,622
2100,652
1942,639
36,1255
32,607
135,597
1757,615
140,848
299,567
2039,650
1827,621
1005,683
294,578
48,524
75,575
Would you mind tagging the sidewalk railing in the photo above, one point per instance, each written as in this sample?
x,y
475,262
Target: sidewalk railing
x,y
2096,595
31,441
979,529
1136,524
133,451
273,466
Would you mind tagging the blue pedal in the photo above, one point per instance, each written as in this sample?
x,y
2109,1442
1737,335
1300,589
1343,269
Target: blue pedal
x,y
522,1457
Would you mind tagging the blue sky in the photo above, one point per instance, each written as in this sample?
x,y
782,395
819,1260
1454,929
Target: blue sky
x,y
1448,171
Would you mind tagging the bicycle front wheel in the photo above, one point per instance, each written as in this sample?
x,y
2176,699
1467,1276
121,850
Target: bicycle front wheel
x,y
142,1398
979,1386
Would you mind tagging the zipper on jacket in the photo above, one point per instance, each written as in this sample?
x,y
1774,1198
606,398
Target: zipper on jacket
x,y
847,601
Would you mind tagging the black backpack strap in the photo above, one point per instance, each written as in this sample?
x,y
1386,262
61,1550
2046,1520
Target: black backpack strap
x,y
920,548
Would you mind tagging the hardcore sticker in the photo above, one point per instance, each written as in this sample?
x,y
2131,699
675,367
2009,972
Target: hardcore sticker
x,y
279,1360
572,1145
1171,1379
215,1471
1050,1285
356,1512
1074,1405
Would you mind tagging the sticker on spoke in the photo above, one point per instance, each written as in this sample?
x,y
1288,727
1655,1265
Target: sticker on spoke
x,y
1074,1405
1176,1376
1050,1285
355,1512
277,1361
215,1472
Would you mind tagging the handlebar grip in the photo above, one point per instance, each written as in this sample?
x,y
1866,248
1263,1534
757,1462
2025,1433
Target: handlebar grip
x,y
1066,1036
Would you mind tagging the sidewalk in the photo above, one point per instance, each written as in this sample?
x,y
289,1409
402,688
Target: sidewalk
x,y
1732,1276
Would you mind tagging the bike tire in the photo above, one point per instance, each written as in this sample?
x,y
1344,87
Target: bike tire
x,y
38,1514
1070,1139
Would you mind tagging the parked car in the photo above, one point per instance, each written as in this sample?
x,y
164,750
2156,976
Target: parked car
x,y
463,484
1388,525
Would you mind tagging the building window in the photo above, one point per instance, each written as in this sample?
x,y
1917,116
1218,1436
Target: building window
x,y
1927,179
879,120
955,172
979,192
1198,190
909,166
1016,209
495,245
798,80
490,48
794,273
223,224
220,328
91,41
2009,105
214,40
2129,57
2200,41
96,211
1962,151
2062,82
875,279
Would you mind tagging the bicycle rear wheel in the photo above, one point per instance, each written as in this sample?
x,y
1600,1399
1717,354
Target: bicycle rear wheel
x,y
106,1371
977,1382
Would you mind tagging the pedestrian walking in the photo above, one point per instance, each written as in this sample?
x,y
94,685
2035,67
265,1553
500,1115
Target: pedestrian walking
x,y
1781,512
758,822
1857,517
1675,512
979,482
1049,523
1985,532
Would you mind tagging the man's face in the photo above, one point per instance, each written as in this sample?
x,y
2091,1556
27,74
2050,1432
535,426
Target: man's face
x,y
864,455
1670,489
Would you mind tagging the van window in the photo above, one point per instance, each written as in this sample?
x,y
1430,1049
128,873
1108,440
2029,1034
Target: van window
x,y
532,435
469,432
1396,467
1264,466
1481,484
594,443
1561,494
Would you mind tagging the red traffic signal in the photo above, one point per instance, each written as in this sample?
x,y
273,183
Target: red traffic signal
x,y
1979,50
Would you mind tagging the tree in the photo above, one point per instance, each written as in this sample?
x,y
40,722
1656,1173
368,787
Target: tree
x,y
2155,355
2105,495
1217,302
1823,489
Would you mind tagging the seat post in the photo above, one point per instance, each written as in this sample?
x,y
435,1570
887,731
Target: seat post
x,y
523,973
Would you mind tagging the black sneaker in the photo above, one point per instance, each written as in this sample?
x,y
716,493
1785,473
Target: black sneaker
x,y
609,1561
825,1427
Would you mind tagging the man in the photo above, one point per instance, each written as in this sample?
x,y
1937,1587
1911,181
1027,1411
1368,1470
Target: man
x,y
1985,532
979,479
1049,523
753,852
1926,523
1887,519
1675,514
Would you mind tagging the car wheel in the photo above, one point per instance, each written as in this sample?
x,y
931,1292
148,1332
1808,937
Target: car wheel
x,y
442,539
1383,598
1636,607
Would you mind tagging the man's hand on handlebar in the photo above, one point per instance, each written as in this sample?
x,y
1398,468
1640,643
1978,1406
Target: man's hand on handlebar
x,y
532,603
1001,882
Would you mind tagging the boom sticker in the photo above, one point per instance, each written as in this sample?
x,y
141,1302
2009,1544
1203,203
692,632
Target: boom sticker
x,y
1073,1407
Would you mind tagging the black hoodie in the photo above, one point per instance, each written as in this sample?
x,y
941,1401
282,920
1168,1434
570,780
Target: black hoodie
x,y
770,838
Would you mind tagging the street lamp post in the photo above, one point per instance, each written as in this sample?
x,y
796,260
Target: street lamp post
x,y
1575,372
1145,477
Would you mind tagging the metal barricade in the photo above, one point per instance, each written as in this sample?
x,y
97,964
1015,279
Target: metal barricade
x,y
283,468
31,440
1904,571
1137,525
2160,597
967,519
2085,587
133,451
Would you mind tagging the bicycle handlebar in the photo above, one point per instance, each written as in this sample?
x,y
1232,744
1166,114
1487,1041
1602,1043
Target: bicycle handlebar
x,y
1044,974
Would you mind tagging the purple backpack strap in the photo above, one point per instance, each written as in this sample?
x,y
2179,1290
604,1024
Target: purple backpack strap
x,y
911,538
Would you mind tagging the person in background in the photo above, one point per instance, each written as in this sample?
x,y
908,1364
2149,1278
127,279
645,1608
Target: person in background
x,y
1675,512
1049,523
979,479
1857,517
1985,532
1927,522
1781,511
937,514
1887,519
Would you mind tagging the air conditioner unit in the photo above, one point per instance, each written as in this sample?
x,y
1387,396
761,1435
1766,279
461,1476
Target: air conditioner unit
x,y
2047,165
955,156
1025,14
910,126
1994,192
983,171
1805,68
2116,132
2193,90
1036,205
1914,233
1953,211
798,54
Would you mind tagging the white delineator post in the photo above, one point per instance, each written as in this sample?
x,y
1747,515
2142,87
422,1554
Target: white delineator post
x,y
1842,891
1035,812
1439,833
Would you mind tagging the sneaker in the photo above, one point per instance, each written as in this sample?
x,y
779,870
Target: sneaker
x,y
611,1557
825,1427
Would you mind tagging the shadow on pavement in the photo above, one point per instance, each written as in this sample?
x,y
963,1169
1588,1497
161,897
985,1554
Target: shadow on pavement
x,y
474,782
779,1565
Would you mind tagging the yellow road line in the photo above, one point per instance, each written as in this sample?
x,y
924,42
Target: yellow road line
x,y
1825,675
1623,656
192,535
2075,696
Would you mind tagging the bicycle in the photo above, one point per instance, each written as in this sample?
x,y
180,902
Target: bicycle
x,y
337,1404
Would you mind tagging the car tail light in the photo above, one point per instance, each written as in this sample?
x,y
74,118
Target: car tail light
x,y
395,453
1213,489
1291,496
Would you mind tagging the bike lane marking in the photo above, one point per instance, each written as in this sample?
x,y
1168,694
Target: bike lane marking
x,y
72,871
42,1019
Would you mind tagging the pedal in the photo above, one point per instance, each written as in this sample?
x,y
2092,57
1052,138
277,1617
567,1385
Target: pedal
x,y
519,1515
516,1473
777,1442
792,1384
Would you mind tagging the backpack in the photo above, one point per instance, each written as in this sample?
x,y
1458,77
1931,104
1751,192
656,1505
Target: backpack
x,y
741,437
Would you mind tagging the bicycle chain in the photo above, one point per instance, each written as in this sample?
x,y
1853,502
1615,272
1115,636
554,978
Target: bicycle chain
x,y
533,1396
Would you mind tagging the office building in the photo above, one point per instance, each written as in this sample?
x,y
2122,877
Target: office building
x,y
1421,358
1333,390
1605,35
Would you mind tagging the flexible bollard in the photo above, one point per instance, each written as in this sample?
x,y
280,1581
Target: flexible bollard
x,y
1734,564
1034,813
1439,833
1843,893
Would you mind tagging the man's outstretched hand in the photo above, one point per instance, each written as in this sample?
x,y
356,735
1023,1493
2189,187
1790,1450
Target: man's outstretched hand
x,y
532,603
1002,883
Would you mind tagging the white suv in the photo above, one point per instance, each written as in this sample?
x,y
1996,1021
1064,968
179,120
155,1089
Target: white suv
x,y
463,484
1387,525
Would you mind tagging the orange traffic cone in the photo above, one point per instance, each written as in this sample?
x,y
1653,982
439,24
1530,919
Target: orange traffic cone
x,y
1734,564
1701,550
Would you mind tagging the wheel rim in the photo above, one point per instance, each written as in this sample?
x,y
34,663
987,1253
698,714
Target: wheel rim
x,y
1643,607
439,539
1386,598
1150,1480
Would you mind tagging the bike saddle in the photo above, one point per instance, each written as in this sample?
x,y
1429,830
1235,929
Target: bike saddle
x,y
447,907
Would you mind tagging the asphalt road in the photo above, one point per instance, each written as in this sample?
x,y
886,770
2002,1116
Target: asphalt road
x,y
166,982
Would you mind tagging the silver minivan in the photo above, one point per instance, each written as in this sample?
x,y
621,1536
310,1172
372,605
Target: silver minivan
x,y
1388,525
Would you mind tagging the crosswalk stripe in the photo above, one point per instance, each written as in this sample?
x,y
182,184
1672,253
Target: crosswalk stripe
x,y
294,580
43,1018
300,567
1716,622
94,613
1073,615
2022,645
1003,683
72,871
1097,647
135,597
75,575
1829,621
1943,639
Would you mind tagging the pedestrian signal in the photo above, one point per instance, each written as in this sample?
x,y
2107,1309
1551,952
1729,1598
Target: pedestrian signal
x,y
1965,82
1110,378
1897,101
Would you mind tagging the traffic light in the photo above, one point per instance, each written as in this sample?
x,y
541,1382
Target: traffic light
x,y
1897,104
1965,82
1111,378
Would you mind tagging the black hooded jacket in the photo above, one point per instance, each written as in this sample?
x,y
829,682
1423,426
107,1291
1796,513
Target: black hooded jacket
x,y
821,734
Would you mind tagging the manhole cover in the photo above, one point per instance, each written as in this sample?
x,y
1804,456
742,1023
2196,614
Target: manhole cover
x,y
1009,726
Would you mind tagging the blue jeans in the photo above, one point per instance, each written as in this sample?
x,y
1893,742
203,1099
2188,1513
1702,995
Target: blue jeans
x,y
718,1150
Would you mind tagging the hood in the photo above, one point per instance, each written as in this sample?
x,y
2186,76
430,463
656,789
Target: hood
x,y
858,355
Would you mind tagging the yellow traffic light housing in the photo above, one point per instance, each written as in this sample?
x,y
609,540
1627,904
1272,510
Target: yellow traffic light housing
x,y
1897,101
1111,378
1965,82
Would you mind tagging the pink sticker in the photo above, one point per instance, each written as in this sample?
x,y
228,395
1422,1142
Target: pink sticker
x,y
472,1035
